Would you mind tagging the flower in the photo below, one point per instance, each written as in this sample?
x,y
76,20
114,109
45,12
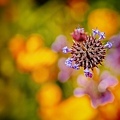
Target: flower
x,y
97,91
87,50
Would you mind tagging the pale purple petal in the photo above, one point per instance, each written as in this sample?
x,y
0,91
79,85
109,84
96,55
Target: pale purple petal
x,y
59,43
62,66
107,97
82,81
95,103
116,41
103,85
107,81
78,92
65,72
63,76
113,61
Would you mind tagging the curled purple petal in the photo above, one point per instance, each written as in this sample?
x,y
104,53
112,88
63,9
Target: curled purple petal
x,y
107,97
102,99
107,81
111,80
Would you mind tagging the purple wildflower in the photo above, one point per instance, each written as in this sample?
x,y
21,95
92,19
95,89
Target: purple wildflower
x,y
87,51
98,92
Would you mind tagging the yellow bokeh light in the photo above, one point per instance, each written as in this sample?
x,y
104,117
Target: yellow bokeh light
x,y
42,57
34,43
76,109
49,95
42,74
105,20
70,109
47,113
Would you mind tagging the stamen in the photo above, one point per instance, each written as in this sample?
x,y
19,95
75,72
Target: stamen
x,y
76,66
95,32
102,35
68,62
108,45
66,49
87,73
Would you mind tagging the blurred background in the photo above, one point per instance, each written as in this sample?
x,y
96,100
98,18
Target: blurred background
x,y
34,82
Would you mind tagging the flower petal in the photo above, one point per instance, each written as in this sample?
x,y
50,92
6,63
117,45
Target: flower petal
x,y
107,97
104,98
103,86
82,81
78,92
107,81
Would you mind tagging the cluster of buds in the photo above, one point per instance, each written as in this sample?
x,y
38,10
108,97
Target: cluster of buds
x,y
87,51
